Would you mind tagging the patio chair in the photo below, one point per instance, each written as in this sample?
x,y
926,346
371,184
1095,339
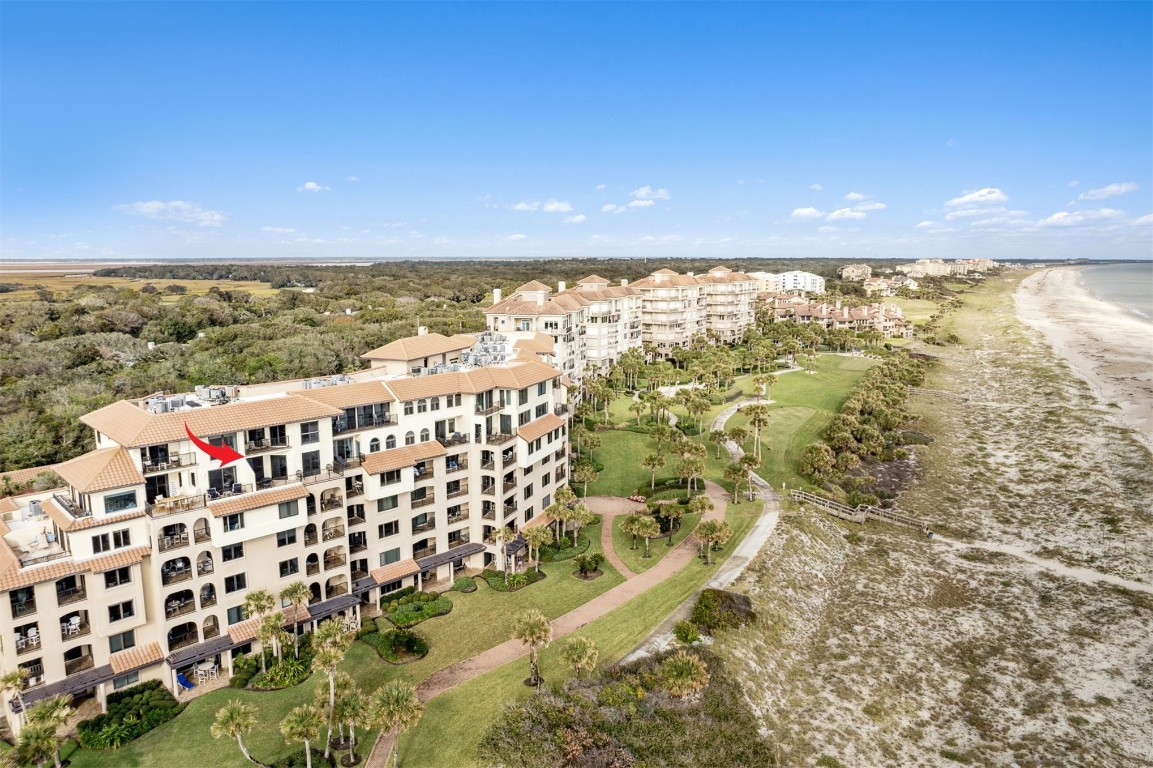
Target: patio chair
x,y
237,488
213,494
184,682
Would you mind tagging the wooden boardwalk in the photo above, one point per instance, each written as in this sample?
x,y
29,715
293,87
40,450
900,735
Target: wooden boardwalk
x,y
861,513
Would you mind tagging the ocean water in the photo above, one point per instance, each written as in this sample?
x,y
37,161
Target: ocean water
x,y
1128,285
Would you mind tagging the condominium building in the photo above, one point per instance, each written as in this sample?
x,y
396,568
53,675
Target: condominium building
x,y
359,485
786,282
593,324
933,268
855,272
887,320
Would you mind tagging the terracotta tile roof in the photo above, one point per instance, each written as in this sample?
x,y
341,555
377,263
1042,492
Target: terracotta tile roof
x,y
540,344
664,272
24,475
393,571
64,519
248,501
8,504
476,380
100,470
593,279
539,520
136,658
132,426
427,345
719,269
533,285
244,631
350,395
58,569
540,427
407,456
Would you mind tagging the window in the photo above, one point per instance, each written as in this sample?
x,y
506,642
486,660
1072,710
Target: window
x,y
387,503
117,577
522,396
408,408
421,406
118,502
289,567
236,583
121,611
391,586
390,477
390,442
391,556
546,502
388,529
374,445
122,641
540,388
310,463
528,491
234,522
289,508
409,438
310,432
434,404
528,513
232,552
545,479
424,435
541,410
285,538
235,615
132,678
524,418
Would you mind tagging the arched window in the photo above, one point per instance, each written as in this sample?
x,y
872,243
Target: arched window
x,y
390,442
421,406
409,438
374,445
424,435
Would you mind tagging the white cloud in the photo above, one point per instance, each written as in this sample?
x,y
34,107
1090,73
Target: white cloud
x,y
949,143
525,205
853,197
610,208
353,178
965,213
816,187
278,230
846,213
641,203
648,193
873,206
1144,220
174,210
1073,218
517,238
806,213
926,225
312,186
600,187
982,197
826,229
1074,184
1106,192
557,206
580,218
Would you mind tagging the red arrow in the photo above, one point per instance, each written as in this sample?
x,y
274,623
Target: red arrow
x,y
221,453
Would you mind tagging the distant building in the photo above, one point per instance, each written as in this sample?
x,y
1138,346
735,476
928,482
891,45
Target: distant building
x,y
889,321
855,272
933,268
884,286
977,265
787,282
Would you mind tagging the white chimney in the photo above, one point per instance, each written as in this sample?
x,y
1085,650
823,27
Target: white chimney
x,y
560,286
496,295
624,282
540,298
689,273
422,330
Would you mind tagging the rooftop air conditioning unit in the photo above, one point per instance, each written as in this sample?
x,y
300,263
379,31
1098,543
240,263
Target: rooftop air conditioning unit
x,y
177,402
202,391
231,390
306,384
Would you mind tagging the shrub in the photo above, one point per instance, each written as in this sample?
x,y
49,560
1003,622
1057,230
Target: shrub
x,y
411,614
495,579
131,713
686,632
717,609
285,673
465,584
398,646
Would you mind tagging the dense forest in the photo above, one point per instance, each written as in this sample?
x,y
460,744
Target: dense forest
x,y
64,354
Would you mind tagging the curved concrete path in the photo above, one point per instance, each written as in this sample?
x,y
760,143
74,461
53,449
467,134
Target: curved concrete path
x,y
511,650
609,508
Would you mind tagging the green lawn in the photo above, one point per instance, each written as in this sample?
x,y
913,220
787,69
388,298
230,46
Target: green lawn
x,y
454,722
621,453
916,310
634,558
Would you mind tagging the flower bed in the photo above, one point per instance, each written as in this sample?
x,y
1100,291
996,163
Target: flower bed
x,y
413,609
132,713
285,673
464,584
396,646
553,553
496,579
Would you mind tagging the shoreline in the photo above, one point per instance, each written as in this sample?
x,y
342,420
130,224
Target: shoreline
x,y
1105,345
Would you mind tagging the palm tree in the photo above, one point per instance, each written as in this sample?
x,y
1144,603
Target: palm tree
x,y
537,537
736,475
706,535
532,628
653,462
718,437
748,464
235,719
648,528
353,708
257,603
13,682
298,595
629,526
271,632
581,516
672,513
303,725
330,642
396,707
758,417
585,473
690,468
52,713
700,504
738,435
36,746
580,653
763,382
639,408
684,672
503,537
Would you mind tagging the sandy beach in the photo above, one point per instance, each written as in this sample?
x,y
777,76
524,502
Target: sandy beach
x,y
1109,349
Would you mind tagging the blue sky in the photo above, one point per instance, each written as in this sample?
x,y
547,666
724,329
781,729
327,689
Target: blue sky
x,y
382,130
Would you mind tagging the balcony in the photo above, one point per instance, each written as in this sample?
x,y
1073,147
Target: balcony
x,y
207,601
264,446
35,674
334,561
348,462
509,507
558,455
332,502
355,519
560,410
69,630
508,457
169,543
487,410
342,426
457,438
498,438
490,464
418,503
336,532
509,485
354,489
489,490
357,545
459,517
211,631
317,476
359,573
23,608
311,569
201,535
70,595
232,489
174,461
71,507
461,491
417,554
456,466
204,567
335,590
489,514
163,507
182,641
454,543
422,527
176,576
79,664
27,643
310,539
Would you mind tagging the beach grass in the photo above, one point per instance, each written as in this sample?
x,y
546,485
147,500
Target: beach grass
x,y
31,282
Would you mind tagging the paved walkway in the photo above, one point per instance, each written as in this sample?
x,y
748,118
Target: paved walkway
x,y
609,508
511,650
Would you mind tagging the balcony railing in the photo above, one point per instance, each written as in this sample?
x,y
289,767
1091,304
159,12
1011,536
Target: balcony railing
x,y
23,608
211,631
343,426
204,567
329,534
509,457
163,507
486,410
418,503
498,438
489,490
459,517
424,473
357,545
456,466
332,502
423,552
558,455
348,462
509,485
461,491
69,595
29,644
176,608
454,543
176,541
176,576
560,410
355,519
490,464
334,561
356,488
448,441
312,569
359,573
561,474
182,641
70,506
489,514
68,631
174,461
262,446
335,590
310,539
422,527
79,664
200,535
207,601
317,476
35,674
